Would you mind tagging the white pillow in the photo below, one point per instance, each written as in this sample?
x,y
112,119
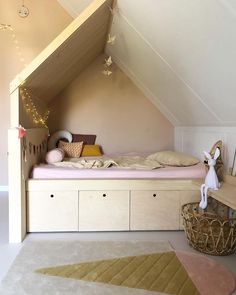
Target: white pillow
x,y
54,156
171,158
56,136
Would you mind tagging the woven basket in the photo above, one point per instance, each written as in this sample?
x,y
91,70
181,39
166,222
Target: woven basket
x,y
209,232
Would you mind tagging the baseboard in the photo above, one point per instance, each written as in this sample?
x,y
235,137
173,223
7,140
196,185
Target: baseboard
x,y
3,188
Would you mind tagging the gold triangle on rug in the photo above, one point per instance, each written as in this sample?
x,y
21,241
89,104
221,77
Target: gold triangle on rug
x,y
160,272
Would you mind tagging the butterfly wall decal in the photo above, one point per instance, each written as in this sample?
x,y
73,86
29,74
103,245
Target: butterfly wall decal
x,y
107,72
112,10
108,61
111,39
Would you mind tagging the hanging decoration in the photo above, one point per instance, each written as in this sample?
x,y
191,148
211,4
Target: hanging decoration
x,y
108,61
21,131
107,72
31,108
23,10
107,64
114,8
110,41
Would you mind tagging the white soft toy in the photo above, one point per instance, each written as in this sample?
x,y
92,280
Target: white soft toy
x,y
211,179
55,137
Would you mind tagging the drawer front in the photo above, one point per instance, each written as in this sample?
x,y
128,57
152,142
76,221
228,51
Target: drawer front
x,y
52,211
154,210
103,210
188,197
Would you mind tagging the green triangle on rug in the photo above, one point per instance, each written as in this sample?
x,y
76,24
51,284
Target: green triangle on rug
x,y
160,272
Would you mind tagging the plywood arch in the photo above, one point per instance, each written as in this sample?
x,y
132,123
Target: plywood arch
x,y
48,74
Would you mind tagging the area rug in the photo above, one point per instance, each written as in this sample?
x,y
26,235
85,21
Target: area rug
x,y
160,272
35,258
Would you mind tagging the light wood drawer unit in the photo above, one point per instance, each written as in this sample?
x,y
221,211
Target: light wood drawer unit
x,y
154,210
188,197
52,211
103,210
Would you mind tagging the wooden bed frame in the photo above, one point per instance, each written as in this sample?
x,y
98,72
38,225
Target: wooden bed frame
x,y
58,205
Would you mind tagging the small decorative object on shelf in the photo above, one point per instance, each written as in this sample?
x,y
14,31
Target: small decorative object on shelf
x,y
211,179
219,166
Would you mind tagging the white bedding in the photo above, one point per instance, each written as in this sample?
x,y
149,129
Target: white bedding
x,y
124,162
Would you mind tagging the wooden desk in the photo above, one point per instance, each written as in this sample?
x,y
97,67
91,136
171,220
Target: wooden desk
x,y
226,194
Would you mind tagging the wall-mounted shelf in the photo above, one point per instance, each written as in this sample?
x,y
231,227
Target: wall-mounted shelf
x,y
226,194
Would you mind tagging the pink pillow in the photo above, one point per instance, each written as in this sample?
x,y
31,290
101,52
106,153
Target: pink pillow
x,y
54,156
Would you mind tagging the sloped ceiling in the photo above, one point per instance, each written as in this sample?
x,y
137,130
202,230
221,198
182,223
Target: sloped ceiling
x,y
182,54
67,55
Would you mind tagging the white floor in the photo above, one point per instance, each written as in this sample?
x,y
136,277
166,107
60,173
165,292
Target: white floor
x,y
176,238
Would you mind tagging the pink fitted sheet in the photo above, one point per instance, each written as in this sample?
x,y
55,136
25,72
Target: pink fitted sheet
x,y
44,171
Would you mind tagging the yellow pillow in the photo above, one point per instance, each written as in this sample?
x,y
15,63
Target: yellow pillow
x,y
171,158
91,150
71,149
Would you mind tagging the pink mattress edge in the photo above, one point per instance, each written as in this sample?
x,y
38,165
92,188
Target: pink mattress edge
x,y
44,171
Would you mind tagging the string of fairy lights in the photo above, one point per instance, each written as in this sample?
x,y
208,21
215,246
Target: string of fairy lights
x,y
32,109
6,27
28,102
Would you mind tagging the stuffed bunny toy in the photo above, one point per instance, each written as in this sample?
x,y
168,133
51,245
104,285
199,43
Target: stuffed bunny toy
x,y
211,180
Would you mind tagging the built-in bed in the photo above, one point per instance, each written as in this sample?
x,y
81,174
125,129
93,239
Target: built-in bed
x,y
82,204
101,199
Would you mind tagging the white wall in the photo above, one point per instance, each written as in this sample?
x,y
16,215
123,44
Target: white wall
x,y
194,140
183,53
114,109
180,53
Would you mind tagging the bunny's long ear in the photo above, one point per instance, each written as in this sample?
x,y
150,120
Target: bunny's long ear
x,y
217,153
208,156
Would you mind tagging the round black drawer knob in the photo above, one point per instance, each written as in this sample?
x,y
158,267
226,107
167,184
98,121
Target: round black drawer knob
x,y
154,195
52,196
104,195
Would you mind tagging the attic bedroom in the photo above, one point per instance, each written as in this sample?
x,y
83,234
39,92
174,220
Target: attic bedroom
x,y
122,124
194,112
93,78
93,101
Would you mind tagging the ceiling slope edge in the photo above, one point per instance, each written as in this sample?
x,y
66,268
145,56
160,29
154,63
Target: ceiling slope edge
x,y
146,91
172,117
